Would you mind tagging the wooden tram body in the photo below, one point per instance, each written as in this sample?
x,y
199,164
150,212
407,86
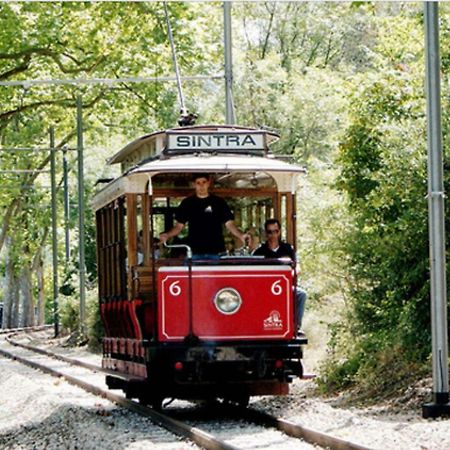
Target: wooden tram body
x,y
165,332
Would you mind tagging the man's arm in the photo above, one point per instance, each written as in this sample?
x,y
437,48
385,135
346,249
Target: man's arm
x,y
235,231
175,231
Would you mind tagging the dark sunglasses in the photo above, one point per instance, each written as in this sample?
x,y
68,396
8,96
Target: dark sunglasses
x,y
272,231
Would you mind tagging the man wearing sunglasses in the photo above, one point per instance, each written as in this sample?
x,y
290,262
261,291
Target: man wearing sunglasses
x,y
274,247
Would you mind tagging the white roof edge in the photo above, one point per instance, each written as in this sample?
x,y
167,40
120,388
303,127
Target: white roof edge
x,y
123,185
208,163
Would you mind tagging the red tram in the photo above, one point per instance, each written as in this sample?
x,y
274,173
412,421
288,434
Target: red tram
x,y
196,329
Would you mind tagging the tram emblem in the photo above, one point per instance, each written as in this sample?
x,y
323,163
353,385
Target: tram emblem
x,y
274,321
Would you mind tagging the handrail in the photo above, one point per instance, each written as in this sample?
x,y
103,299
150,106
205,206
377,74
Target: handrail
x,y
188,249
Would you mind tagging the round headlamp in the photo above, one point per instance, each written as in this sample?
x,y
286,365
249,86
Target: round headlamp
x,y
228,301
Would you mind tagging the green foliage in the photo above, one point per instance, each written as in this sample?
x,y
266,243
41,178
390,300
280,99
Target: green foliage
x,y
383,177
341,81
84,41
70,318
69,314
373,372
94,323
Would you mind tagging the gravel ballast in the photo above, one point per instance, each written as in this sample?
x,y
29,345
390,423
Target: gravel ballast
x,y
38,411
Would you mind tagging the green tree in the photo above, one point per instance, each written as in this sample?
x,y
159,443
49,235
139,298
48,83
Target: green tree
x,y
384,178
83,41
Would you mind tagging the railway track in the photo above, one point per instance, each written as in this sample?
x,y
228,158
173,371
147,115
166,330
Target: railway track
x,y
90,378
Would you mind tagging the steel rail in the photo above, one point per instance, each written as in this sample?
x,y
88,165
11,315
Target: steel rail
x,y
16,330
301,432
196,435
257,417
66,359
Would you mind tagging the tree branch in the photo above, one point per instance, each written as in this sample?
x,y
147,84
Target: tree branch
x,y
68,102
18,69
24,53
82,65
269,31
138,95
16,204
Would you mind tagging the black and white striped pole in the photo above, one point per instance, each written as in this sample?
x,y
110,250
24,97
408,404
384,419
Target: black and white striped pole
x,y
439,405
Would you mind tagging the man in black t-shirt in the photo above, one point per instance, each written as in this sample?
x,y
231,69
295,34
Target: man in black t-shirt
x,y
274,247
205,213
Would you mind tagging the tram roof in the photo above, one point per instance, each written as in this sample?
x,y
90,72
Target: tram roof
x,y
238,150
156,143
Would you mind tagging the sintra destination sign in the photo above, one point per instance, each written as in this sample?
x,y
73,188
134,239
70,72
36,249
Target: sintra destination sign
x,y
215,141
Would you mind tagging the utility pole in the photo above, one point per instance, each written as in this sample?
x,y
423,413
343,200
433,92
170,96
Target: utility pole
x,y
440,403
66,204
82,265
54,231
229,106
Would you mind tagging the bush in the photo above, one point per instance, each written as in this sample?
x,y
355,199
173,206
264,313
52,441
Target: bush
x,y
95,331
70,318
376,365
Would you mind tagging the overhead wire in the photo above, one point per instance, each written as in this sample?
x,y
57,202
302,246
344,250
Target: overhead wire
x,y
32,149
76,81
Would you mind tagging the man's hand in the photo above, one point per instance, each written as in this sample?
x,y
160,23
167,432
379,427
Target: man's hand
x,y
163,237
247,239
175,231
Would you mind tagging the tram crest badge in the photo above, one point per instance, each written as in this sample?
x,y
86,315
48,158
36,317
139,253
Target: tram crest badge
x,y
273,322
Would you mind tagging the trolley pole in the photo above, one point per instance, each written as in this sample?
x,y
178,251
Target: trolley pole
x,y
82,267
54,231
66,204
440,403
229,106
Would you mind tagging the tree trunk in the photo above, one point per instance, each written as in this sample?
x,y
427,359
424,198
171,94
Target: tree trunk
x,y
14,293
26,298
8,290
10,210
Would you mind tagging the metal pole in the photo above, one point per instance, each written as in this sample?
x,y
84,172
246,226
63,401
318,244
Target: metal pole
x,y
229,106
66,205
54,231
175,63
439,405
82,267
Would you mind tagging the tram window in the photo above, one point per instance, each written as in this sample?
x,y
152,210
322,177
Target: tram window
x,y
252,197
250,214
111,249
163,219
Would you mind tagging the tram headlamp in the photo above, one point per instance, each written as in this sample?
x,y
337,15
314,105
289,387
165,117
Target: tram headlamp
x,y
228,301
